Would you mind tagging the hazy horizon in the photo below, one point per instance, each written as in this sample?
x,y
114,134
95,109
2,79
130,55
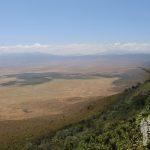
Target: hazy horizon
x,y
79,49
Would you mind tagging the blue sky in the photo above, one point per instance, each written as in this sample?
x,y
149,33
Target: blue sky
x,y
26,22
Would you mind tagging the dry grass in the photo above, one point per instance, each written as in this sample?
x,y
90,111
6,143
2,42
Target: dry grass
x,y
28,112
52,98
15,133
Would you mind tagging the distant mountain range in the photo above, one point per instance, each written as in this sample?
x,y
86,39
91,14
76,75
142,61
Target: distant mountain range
x,y
23,58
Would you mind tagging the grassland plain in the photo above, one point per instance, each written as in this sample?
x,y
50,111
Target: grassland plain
x,y
115,125
30,112
15,134
51,98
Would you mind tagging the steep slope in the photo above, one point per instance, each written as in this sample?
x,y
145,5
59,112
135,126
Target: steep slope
x,y
116,128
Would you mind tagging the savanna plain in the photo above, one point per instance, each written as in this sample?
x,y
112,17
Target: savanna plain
x,y
39,98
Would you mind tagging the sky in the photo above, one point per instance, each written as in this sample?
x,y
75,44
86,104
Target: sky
x,y
75,26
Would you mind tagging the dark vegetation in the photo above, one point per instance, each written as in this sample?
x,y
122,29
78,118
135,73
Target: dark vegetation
x,y
125,79
39,78
117,128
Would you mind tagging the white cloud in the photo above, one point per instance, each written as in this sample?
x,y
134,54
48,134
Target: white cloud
x,y
79,49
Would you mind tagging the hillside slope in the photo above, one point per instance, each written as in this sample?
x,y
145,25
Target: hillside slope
x,y
116,128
